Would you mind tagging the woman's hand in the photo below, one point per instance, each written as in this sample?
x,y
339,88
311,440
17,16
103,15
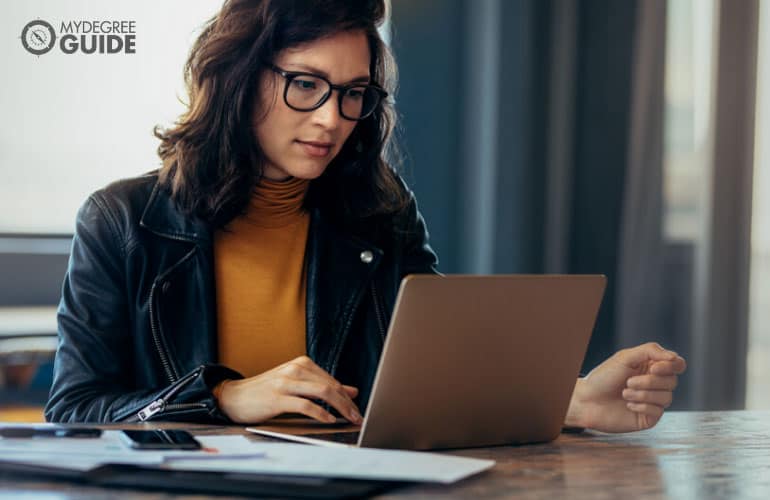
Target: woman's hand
x,y
627,392
288,388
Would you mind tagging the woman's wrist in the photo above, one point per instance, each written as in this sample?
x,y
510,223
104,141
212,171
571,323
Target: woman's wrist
x,y
576,414
217,390
223,394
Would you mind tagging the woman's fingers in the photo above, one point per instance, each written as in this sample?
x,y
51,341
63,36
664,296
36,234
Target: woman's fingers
x,y
325,380
673,367
319,390
648,414
293,404
652,382
658,398
288,388
304,368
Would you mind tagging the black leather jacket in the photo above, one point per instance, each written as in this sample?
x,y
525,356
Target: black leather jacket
x,y
137,325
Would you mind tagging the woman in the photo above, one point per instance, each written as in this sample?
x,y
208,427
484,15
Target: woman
x,y
253,275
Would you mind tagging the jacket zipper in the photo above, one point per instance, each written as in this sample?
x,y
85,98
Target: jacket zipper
x,y
333,368
156,337
155,328
161,404
378,313
182,406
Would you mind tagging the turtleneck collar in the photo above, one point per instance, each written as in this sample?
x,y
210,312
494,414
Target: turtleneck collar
x,y
277,203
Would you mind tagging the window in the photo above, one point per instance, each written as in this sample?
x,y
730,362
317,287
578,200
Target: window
x,y
758,363
688,117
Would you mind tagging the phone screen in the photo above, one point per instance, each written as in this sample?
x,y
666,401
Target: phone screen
x,y
161,440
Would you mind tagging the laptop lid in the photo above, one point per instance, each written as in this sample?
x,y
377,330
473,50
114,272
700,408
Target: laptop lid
x,y
480,360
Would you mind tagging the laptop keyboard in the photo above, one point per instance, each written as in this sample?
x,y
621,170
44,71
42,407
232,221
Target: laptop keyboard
x,y
337,437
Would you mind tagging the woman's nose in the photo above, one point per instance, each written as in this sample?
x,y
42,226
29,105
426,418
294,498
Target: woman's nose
x,y
328,114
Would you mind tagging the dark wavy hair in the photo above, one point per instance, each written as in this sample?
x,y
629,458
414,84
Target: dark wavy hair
x,y
211,158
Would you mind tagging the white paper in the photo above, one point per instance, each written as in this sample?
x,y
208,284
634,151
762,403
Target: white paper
x,y
108,444
81,462
86,453
239,454
218,448
358,463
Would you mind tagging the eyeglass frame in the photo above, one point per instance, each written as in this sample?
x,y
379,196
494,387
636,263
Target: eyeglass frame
x,y
289,76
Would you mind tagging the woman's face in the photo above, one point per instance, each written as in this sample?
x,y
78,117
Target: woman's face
x,y
302,144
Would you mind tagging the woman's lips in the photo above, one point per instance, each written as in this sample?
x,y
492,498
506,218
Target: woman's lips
x,y
316,149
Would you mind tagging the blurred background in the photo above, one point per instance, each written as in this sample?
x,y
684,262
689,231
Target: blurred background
x,y
540,136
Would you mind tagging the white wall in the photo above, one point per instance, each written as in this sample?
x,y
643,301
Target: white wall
x,y
72,123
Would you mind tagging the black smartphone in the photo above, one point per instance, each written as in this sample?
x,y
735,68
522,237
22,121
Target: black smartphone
x,y
161,440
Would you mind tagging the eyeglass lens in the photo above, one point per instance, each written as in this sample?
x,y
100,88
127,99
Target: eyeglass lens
x,y
306,92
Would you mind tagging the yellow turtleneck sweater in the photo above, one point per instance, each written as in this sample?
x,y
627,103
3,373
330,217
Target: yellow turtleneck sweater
x,y
260,279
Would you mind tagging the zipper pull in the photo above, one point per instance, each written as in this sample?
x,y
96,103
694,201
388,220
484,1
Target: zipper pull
x,y
151,409
159,404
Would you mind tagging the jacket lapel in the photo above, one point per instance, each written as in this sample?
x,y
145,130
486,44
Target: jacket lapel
x,y
339,268
189,337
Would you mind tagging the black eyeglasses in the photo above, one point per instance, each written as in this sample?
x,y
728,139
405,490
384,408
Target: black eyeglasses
x,y
306,92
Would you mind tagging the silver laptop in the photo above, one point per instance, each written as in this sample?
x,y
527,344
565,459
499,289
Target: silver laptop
x,y
475,361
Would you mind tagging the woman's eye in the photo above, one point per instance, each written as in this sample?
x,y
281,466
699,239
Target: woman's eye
x,y
355,93
304,84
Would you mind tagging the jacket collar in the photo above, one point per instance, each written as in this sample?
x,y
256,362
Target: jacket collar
x,y
163,217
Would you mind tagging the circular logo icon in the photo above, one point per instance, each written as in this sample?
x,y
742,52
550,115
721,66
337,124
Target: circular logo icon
x,y
38,37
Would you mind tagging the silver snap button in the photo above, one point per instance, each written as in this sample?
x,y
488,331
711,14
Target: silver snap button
x,y
366,256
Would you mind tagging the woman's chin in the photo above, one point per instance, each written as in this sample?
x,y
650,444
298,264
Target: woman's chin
x,y
308,170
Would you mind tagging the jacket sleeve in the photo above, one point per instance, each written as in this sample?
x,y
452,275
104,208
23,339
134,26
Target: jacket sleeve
x,y
94,364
